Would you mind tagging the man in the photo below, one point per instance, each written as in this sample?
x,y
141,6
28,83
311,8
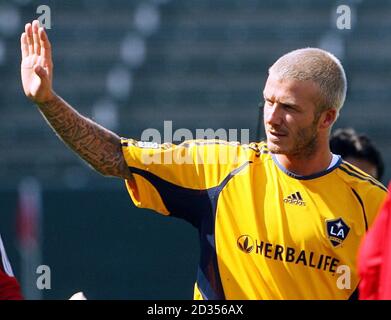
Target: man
x,y
357,150
275,219
9,286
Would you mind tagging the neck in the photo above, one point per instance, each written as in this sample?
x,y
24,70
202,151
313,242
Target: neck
x,y
308,165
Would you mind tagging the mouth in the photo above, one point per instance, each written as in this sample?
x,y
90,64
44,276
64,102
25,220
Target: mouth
x,y
277,134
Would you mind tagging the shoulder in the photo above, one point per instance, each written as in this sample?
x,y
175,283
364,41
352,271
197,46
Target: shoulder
x,y
369,192
231,151
359,179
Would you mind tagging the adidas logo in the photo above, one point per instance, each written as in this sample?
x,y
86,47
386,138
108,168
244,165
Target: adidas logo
x,y
295,198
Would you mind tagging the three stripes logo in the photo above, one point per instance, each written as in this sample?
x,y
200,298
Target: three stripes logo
x,y
295,198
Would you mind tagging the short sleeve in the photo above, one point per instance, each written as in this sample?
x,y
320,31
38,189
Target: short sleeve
x,y
178,179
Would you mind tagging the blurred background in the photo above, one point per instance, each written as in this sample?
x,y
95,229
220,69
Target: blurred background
x,y
129,65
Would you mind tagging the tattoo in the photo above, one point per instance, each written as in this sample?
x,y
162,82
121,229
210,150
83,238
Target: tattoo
x,y
98,146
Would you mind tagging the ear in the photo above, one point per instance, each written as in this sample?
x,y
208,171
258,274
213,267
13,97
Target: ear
x,y
327,118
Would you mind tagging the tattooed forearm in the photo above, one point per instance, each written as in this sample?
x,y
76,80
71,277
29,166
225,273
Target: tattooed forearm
x,y
98,146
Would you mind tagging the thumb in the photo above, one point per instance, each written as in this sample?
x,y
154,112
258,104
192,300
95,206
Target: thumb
x,y
41,72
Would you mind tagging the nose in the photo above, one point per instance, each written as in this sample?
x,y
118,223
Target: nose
x,y
272,114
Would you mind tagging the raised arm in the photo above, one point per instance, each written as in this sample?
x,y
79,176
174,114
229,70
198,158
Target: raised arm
x,y
98,146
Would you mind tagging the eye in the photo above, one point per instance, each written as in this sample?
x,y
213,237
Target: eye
x,y
288,107
268,102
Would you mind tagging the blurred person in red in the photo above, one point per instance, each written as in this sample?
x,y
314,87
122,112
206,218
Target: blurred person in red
x,y
375,252
9,286
374,261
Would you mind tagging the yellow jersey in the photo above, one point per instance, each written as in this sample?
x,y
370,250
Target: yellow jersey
x,y
265,233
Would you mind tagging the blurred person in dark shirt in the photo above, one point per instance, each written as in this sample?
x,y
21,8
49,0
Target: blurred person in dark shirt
x,y
359,150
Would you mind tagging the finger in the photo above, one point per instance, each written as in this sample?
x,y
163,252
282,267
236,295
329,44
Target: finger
x,y
46,51
37,45
29,36
24,45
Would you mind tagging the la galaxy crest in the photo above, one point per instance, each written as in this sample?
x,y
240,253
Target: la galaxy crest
x,y
337,231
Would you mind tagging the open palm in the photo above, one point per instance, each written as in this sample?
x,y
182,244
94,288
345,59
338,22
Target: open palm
x,y
37,65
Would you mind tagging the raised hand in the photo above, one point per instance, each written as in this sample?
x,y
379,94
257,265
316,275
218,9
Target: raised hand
x,y
37,65
98,146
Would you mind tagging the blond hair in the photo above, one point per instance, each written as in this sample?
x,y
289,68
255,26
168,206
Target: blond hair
x,y
319,66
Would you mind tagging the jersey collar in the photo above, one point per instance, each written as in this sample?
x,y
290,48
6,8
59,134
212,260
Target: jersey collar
x,y
311,176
